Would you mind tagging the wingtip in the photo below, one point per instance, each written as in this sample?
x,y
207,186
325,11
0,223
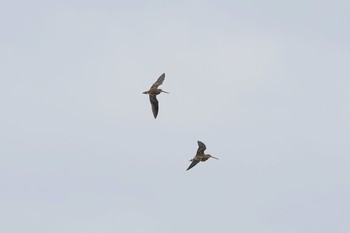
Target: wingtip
x,y
200,142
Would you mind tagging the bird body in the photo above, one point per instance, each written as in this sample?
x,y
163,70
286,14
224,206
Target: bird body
x,y
200,155
153,92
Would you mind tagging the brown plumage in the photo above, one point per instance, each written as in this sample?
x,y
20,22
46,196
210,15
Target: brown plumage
x,y
153,92
200,156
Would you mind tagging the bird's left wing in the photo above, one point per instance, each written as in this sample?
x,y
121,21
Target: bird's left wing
x,y
194,163
154,103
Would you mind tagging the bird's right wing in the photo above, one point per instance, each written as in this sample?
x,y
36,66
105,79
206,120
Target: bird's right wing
x,y
201,148
194,163
159,81
154,103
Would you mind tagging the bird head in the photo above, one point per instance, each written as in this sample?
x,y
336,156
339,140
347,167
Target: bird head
x,y
212,157
163,91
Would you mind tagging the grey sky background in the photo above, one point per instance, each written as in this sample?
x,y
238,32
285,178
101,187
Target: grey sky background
x,y
265,84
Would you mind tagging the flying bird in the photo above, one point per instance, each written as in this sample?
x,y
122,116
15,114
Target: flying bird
x,y
153,92
200,156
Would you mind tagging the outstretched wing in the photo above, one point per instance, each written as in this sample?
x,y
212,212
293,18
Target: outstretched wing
x,y
159,81
201,148
194,163
154,103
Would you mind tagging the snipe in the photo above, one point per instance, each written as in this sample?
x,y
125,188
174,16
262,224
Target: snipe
x,y
153,92
200,156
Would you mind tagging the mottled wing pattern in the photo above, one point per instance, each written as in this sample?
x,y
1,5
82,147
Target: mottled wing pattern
x,y
159,81
154,103
194,163
201,148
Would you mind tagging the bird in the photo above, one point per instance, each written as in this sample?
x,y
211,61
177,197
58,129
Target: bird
x,y
200,156
153,92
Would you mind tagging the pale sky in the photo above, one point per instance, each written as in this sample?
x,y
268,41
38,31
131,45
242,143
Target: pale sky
x,y
264,84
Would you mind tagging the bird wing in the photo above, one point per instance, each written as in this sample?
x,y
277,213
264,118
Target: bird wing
x,y
201,148
154,103
194,163
159,81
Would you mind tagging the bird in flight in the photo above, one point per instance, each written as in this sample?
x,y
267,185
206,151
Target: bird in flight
x,y
200,156
153,92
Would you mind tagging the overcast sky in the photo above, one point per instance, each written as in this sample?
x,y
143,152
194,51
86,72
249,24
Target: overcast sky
x,y
264,84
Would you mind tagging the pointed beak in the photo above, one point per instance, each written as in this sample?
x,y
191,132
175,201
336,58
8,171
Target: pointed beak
x,y
214,157
165,92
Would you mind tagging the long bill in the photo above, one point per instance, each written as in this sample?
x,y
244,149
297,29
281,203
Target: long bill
x,y
214,157
165,92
